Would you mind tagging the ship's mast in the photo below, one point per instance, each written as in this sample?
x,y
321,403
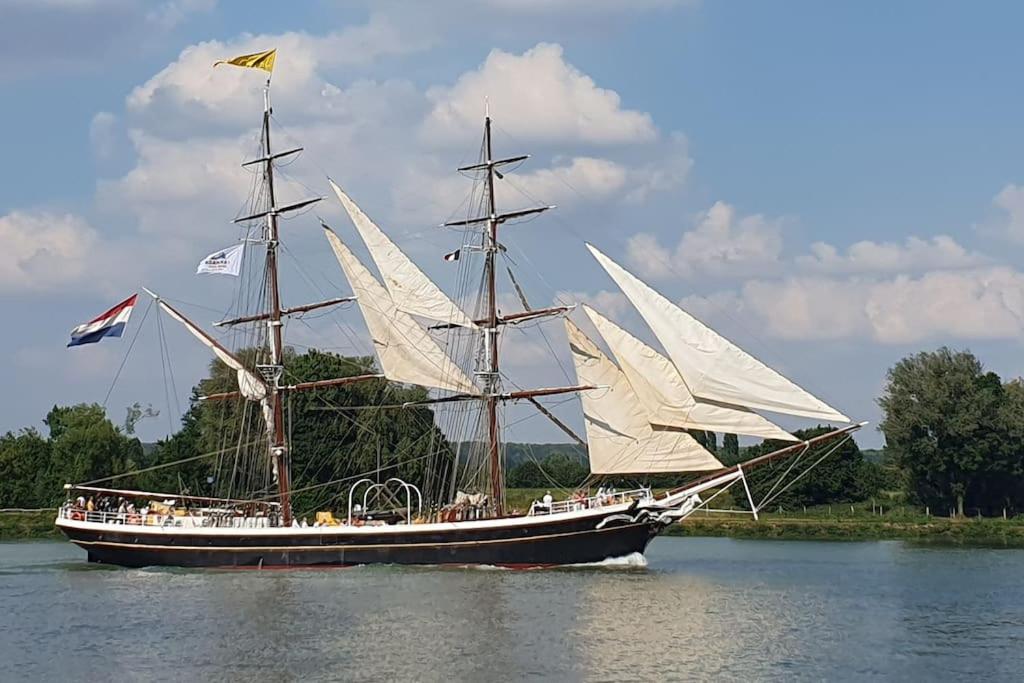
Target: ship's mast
x,y
493,380
273,371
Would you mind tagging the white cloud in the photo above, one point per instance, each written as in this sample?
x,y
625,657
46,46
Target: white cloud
x,y
1010,200
981,303
612,304
915,254
191,87
103,134
179,189
722,243
534,96
582,178
44,251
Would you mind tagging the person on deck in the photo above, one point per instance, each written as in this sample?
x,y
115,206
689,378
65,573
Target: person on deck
x,y
548,500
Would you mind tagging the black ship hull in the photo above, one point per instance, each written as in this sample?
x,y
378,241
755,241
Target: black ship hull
x,y
516,542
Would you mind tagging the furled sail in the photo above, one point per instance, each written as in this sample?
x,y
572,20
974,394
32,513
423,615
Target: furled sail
x,y
406,352
664,394
250,386
410,288
620,438
714,368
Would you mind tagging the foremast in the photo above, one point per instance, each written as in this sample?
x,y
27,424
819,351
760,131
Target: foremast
x,y
273,372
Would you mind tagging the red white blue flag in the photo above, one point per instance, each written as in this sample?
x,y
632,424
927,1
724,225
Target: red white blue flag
x,y
110,324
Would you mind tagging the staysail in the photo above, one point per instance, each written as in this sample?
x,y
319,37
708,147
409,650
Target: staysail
x,y
713,367
410,288
406,352
664,394
620,438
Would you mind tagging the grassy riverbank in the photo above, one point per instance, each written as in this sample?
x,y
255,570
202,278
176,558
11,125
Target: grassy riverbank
x,y
1008,533
22,525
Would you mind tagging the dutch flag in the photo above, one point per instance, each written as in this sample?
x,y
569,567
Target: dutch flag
x,y
110,324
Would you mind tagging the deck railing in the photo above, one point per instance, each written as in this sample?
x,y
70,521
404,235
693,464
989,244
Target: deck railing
x,y
587,503
137,518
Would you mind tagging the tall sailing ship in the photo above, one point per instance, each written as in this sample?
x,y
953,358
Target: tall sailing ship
x,y
640,411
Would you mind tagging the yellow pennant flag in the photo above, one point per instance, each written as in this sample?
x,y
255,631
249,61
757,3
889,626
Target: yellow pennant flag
x,y
259,60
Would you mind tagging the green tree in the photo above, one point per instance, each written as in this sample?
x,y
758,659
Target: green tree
x,y
25,476
85,445
730,448
943,422
844,476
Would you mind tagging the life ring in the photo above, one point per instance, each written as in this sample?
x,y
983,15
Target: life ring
x,y
77,515
134,519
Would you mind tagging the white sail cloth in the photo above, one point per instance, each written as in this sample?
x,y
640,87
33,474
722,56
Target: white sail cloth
x,y
250,386
620,438
663,392
714,368
406,352
410,288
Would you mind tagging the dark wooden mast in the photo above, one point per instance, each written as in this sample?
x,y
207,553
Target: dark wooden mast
x,y
493,380
273,371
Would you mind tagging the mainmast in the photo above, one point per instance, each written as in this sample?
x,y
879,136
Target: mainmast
x,y
492,379
491,371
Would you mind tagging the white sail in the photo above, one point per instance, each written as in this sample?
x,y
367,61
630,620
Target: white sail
x,y
250,386
664,394
713,367
620,438
406,352
410,288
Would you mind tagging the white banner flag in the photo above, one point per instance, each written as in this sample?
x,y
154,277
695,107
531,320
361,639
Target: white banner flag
x,y
224,262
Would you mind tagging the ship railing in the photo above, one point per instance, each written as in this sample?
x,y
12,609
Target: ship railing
x,y
151,519
598,500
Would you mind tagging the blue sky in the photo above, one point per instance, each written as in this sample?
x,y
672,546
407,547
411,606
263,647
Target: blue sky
x,y
832,185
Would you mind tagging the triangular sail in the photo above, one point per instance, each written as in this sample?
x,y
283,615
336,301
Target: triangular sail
x,y
620,438
410,288
406,352
663,392
714,368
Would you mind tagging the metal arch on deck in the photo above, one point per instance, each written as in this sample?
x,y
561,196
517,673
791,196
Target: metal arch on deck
x,y
406,486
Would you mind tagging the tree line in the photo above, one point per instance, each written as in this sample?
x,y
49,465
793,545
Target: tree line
x,y
954,438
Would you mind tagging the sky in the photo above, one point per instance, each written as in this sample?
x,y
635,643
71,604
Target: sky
x,y
833,186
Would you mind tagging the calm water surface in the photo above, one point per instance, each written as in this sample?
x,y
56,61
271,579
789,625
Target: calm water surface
x,y
702,609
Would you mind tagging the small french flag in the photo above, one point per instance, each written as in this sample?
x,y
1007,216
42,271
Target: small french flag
x,y
454,256
110,324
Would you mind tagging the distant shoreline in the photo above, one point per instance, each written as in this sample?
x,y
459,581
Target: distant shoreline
x,y
997,532
991,532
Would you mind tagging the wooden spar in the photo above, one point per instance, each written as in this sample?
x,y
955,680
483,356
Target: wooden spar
x,y
301,386
286,311
550,391
770,457
336,382
558,423
513,318
181,317
498,218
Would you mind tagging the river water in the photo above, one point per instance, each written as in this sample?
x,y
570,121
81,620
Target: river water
x,y
701,609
